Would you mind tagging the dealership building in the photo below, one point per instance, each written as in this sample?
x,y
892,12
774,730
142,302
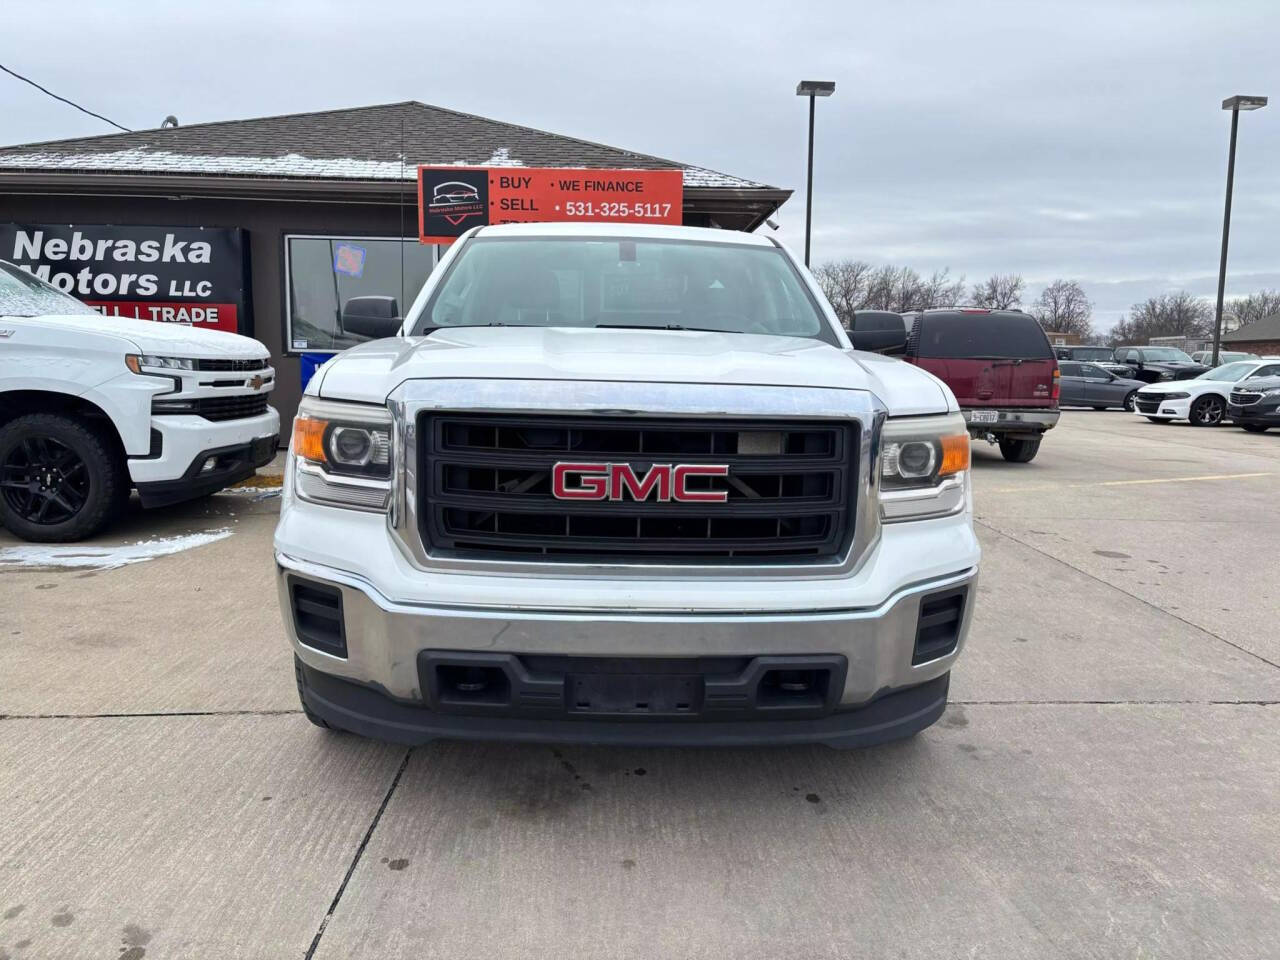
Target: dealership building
x,y
267,226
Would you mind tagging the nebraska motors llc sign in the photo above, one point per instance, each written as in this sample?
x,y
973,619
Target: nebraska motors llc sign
x,y
192,275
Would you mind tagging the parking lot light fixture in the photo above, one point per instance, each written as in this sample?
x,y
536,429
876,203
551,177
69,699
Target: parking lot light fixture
x,y
811,89
1235,105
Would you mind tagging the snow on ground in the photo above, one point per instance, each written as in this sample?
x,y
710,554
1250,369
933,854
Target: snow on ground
x,y
102,556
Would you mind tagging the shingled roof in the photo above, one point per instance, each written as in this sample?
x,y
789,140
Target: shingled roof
x,y
1268,328
360,143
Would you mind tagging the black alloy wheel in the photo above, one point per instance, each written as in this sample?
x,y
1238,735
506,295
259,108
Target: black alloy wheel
x,y
62,477
1208,411
44,481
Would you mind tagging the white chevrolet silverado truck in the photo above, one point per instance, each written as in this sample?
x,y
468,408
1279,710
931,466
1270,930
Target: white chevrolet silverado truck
x,y
93,406
624,484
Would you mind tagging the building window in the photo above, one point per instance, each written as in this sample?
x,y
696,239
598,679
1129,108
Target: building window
x,y
322,273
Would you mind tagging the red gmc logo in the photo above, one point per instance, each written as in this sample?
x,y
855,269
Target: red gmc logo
x,y
612,481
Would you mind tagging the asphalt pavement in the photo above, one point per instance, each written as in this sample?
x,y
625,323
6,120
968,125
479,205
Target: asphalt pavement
x,y
1106,782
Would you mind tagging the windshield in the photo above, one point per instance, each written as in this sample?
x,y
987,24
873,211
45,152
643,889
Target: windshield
x,y
23,295
993,337
1091,353
659,284
1164,355
1229,371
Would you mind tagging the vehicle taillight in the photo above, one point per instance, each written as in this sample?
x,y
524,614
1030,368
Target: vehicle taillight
x,y
1057,385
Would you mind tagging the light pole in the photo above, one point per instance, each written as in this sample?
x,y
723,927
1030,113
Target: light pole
x,y
1235,105
811,89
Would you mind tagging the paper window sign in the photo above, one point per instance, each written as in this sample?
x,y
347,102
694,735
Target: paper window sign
x,y
349,259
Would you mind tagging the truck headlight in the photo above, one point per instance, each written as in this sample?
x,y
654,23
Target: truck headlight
x,y
342,454
924,467
136,362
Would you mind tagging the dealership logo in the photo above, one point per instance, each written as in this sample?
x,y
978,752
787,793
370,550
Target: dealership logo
x,y
455,201
618,481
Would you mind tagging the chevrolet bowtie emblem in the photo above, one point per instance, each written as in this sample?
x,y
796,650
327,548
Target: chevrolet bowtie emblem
x,y
255,382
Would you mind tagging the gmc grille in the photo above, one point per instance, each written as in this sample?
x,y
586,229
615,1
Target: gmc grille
x,y
485,489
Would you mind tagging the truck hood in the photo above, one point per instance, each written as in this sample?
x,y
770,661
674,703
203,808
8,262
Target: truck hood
x,y
370,372
1175,366
150,336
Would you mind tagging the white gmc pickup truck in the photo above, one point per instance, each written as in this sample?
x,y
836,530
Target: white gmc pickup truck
x,y
624,484
92,406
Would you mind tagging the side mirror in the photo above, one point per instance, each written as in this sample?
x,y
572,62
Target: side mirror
x,y
373,317
879,331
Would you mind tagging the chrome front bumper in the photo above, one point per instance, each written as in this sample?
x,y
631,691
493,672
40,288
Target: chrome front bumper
x,y
384,637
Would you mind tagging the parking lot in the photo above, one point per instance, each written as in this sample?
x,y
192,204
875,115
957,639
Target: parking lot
x,y
1104,783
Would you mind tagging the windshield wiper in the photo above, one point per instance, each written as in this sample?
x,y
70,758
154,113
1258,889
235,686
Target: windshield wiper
x,y
428,329
659,326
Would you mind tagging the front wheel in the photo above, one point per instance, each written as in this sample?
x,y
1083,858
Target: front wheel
x,y
1255,427
1208,411
1019,451
1131,401
59,481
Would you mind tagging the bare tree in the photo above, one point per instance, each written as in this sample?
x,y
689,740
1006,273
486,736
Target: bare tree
x,y
1169,315
1003,291
856,285
1242,311
1062,307
845,284
940,290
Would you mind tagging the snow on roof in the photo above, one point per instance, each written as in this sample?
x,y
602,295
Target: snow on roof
x,y
349,144
143,160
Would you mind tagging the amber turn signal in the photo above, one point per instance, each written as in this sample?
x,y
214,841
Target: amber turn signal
x,y
308,438
955,454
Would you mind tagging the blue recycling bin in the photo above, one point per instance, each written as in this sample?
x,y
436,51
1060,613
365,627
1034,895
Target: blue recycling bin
x,y
310,364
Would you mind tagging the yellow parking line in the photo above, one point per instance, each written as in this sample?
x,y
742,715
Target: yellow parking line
x,y
1123,483
1211,476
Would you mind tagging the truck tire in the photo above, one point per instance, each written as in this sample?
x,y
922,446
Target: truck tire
x,y
59,480
306,711
1019,451
1209,411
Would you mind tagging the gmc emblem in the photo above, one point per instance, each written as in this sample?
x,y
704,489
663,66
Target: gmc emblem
x,y
612,481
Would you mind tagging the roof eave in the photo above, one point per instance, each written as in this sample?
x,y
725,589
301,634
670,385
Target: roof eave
x,y
759,202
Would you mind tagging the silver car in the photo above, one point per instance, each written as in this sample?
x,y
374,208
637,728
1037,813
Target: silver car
x,y
1088,385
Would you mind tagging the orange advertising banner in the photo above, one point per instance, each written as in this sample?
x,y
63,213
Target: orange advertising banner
x,y
452,200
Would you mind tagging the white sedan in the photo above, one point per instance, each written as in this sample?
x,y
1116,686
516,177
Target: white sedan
x,y
1202,400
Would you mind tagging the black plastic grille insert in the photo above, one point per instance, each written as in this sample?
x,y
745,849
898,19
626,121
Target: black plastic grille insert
x,y
485,489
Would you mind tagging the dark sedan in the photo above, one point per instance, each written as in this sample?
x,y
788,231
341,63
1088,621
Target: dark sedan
x,y
1088,385
1255,404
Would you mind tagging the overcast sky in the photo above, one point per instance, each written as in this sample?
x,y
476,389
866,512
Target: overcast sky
x,y
1079,139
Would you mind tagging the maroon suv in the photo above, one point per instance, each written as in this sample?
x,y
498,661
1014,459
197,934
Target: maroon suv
x,y
1000,366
